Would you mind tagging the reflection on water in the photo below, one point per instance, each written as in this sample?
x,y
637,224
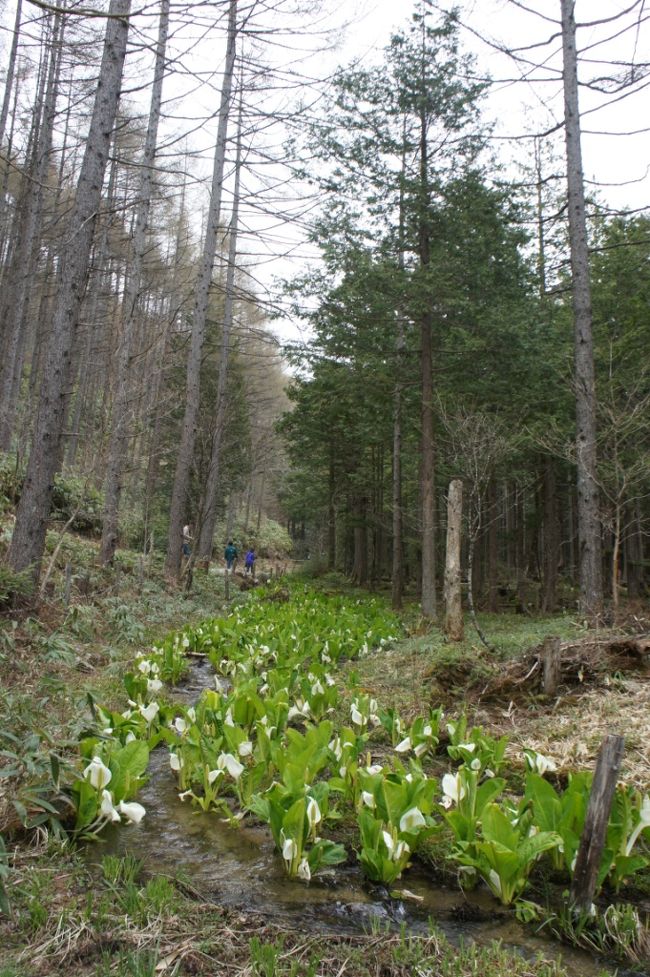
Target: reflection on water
x,y
237,867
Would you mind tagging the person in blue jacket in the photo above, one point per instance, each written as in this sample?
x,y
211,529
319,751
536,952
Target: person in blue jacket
x,y
249,562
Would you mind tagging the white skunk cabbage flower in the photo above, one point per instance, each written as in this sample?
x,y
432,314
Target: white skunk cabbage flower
x,y
304,872
245,748
132,811
368,799
357,718
107,807
97,773
404,746
313,812
176,762
453,789
411,820
289,850
226,761
149,712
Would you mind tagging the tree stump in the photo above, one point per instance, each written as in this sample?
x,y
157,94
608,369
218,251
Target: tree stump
x,y
551,665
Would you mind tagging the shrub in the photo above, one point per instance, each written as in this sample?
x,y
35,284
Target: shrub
x,y
72,493
14,584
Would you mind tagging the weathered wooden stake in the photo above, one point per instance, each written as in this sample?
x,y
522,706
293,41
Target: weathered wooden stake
x,y
594,832
453,605
68,585
551,664
226,588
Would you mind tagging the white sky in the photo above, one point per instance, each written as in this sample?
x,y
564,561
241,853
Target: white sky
x,y
525,101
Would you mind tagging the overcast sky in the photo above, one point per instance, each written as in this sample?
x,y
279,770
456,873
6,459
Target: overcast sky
x,y
532,100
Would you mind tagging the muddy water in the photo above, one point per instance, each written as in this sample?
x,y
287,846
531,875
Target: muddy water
x,y
237,867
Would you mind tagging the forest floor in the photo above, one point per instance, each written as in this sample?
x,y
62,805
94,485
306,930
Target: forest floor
x,y
64,918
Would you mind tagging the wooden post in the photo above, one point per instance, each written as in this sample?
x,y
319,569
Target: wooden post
x,y
226,585
594,832
68,585
551,664
453,605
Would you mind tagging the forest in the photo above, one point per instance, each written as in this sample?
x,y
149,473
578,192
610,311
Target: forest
x,y
260,295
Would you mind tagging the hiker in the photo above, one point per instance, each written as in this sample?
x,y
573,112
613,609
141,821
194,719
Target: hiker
x,y
187,536
249,562
230,555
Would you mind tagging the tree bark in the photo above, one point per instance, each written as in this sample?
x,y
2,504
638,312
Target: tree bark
x,y
209,510
551,552
120,420
427,466
492,547
591,586
11,70
454,625
180,491
25,251
28,540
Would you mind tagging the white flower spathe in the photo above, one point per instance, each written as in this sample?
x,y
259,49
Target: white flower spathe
x,y
313,812
453,789
97,773
412,819
404,746
289,850
226,761
149,712
245,748
132,811
368,799
357,718
176,762
304,872
107,807
154,685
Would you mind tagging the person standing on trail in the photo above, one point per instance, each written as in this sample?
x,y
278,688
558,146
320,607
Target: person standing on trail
x,y
249,562
230,555
187,536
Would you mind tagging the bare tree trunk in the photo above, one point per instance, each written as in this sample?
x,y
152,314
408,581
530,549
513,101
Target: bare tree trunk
x,y
120,426
454,625
427,472
11,70
209,509
179,500
359,573
25,251
331,512
551,537
591,586
28,539
397,575
492,547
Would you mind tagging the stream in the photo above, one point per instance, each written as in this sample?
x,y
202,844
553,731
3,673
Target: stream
x,y
238,868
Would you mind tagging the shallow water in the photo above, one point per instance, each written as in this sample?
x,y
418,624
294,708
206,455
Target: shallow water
x,y
238,868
